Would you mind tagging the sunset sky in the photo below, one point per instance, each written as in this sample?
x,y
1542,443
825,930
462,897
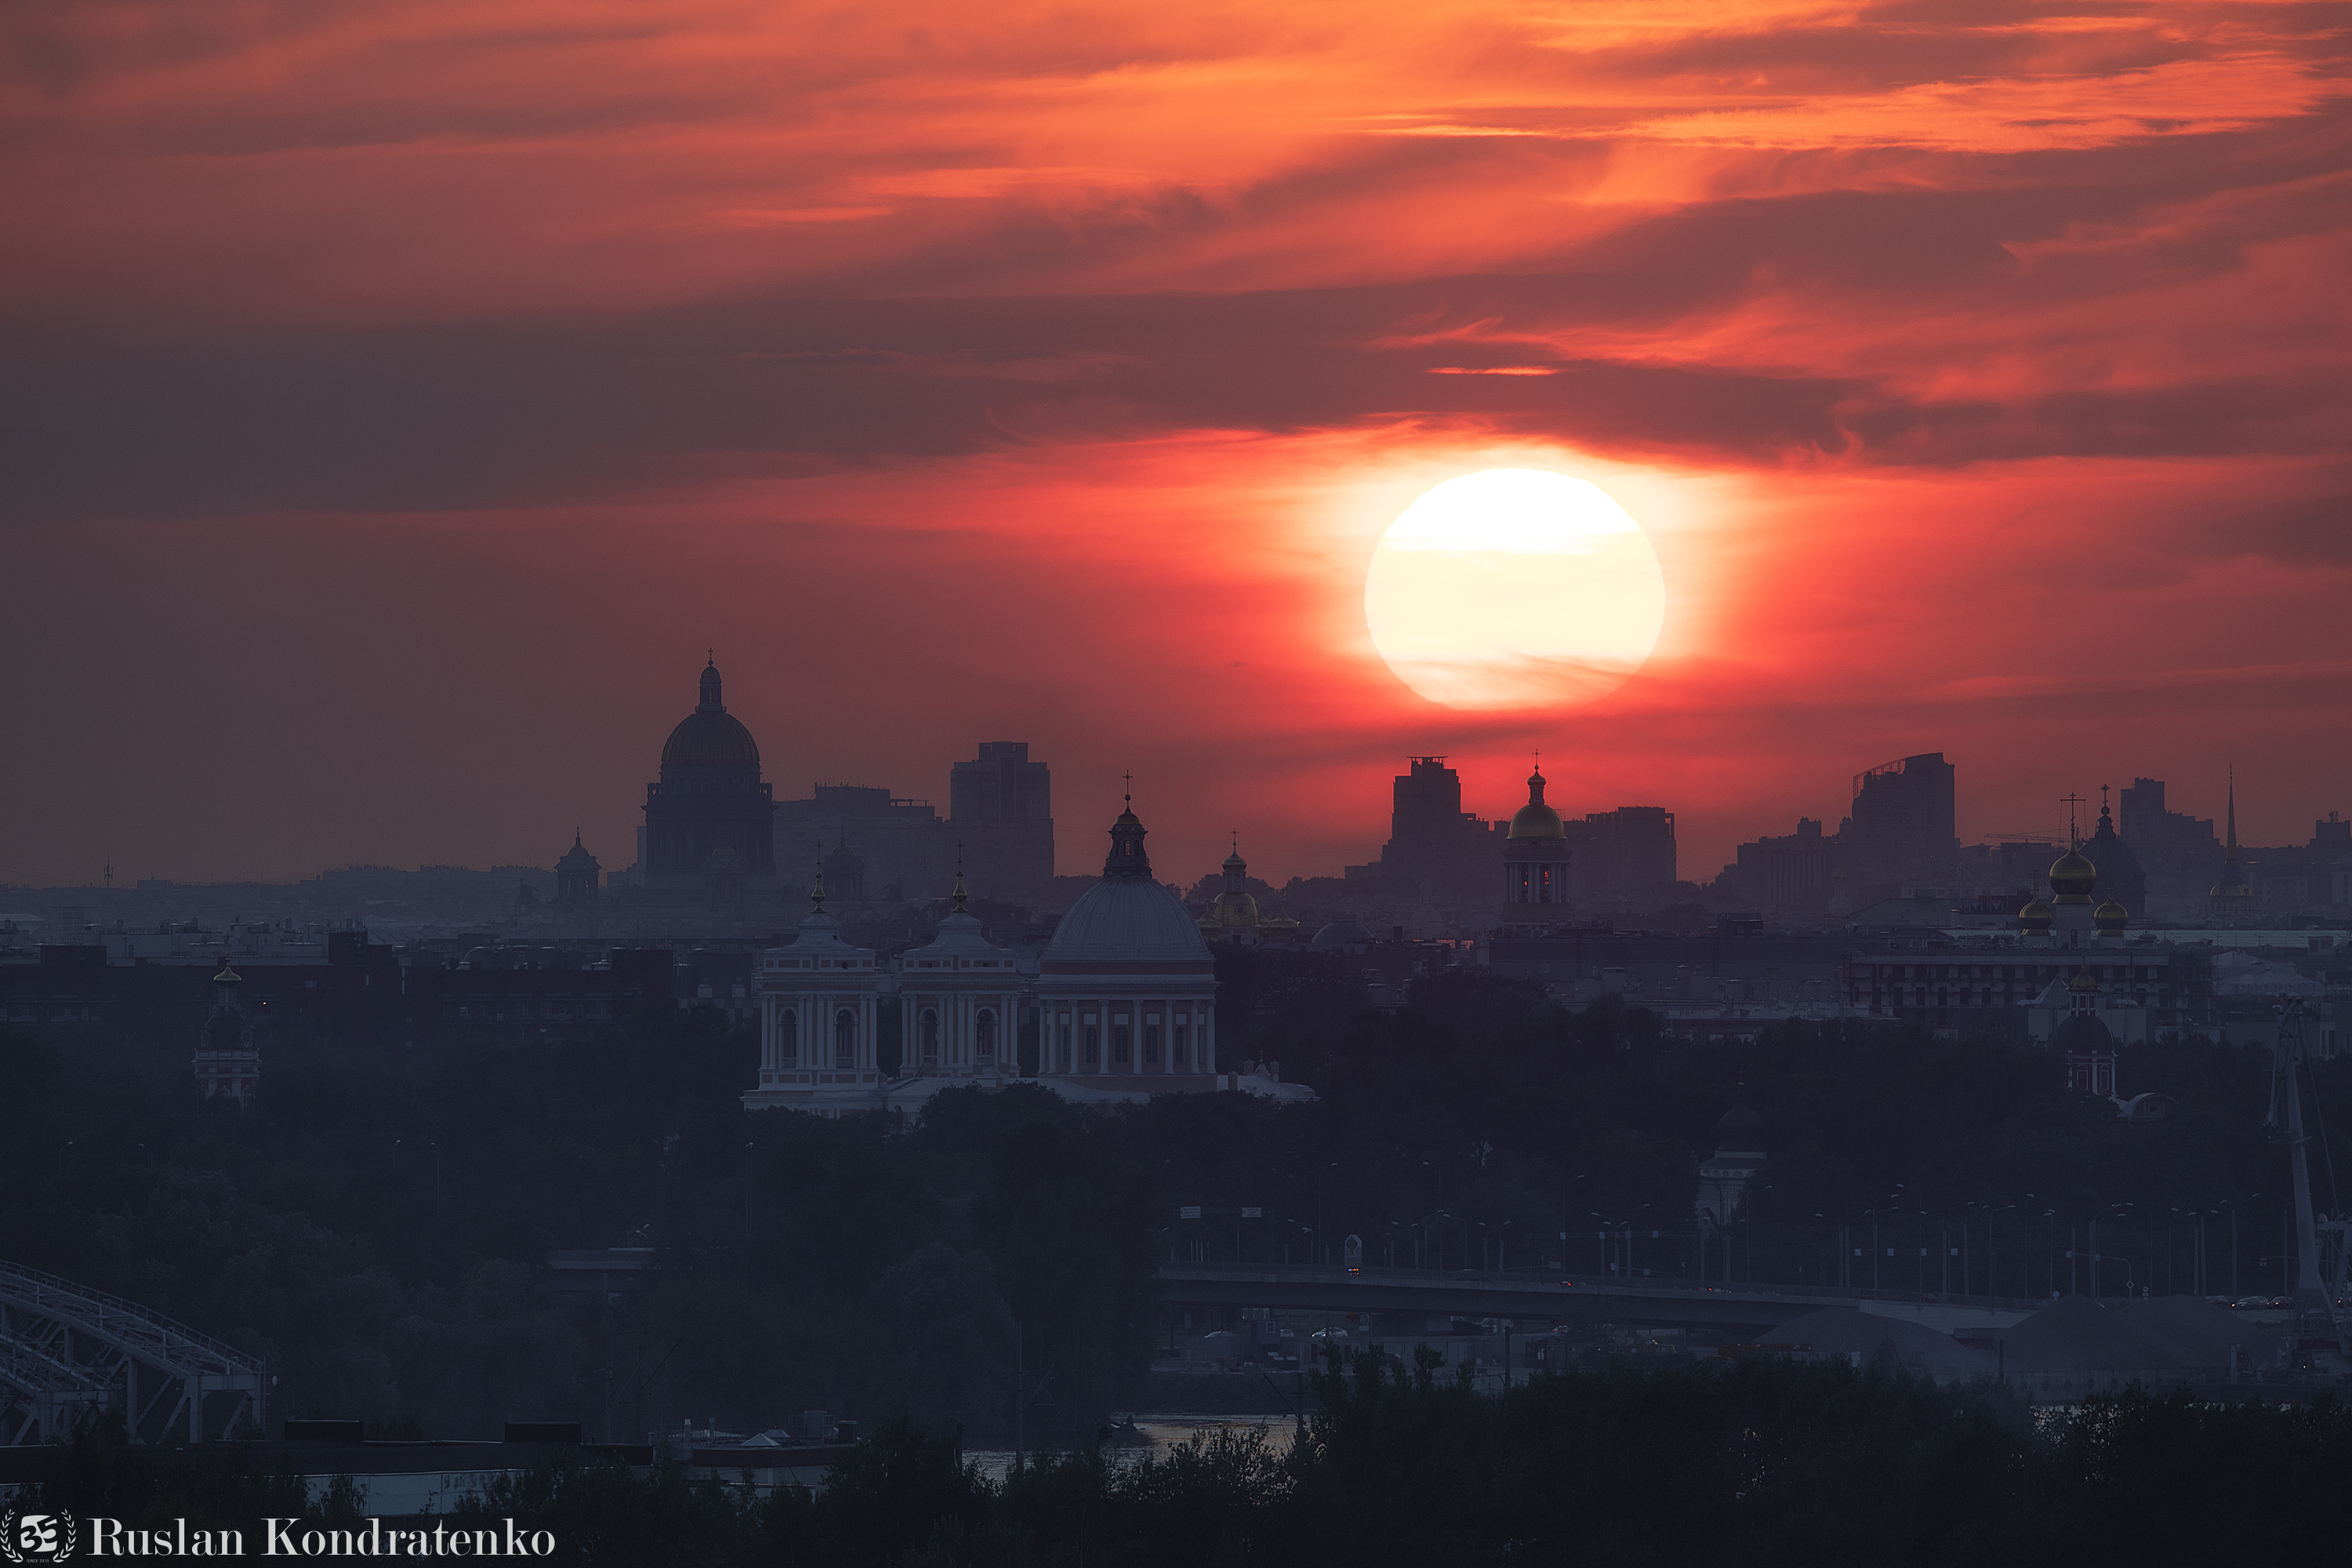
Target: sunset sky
x,y
402,395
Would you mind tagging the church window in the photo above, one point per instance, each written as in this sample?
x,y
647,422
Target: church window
x,y
1094,1045
930,1033
1151,1043
845,1038
1119,1042
788,1038
984,1035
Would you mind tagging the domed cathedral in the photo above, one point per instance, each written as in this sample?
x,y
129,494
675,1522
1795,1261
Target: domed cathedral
x,y
576,876
1535,861
710,819
960,1004
1234,915
819,1025
2070,918
1126,987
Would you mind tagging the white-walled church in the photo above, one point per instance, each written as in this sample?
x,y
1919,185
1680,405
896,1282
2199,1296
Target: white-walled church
x,y
1124,1004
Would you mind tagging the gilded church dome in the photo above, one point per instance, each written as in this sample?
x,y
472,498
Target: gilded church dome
x,y
2072,877
711,737
2035,917
2111,917
1535,819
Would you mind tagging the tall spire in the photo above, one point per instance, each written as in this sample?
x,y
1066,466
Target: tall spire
x,y
2234,892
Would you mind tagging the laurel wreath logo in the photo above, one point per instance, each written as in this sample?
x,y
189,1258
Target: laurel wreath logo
x,y
68,1529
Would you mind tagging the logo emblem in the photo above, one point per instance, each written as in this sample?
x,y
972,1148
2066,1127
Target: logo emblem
x,y
35,1538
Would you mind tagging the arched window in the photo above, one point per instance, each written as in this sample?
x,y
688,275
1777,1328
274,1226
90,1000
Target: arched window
x,y
1176,1046
788,1038
984,1033
845,1038
1151,1045
1119,1042
930,1033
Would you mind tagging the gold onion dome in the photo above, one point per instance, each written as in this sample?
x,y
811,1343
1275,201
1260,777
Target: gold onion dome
x,y
2111,917
2082,980
2035,916
2072,878
1535,819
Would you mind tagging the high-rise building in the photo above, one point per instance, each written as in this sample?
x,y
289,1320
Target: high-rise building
x,y
1432,840
1626,853
1001,806
902,848
1903,827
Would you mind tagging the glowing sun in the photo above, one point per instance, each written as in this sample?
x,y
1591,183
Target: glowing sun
x,y
1515,588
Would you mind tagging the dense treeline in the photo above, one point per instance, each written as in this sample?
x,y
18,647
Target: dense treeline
x,y
377,1225
1767,1462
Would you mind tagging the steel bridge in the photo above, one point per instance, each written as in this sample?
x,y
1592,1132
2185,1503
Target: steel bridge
x,y
1528,1294
69,1353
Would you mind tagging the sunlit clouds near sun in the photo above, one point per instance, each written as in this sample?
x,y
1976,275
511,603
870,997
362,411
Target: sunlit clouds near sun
x,y
1973,372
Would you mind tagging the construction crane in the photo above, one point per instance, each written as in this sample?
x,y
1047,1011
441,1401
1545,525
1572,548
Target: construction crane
x,y
2320,1340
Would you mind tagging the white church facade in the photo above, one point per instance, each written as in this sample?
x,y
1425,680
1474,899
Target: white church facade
x,y
1124,1006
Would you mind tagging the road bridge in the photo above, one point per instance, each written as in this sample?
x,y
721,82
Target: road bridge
x,y
1541,1296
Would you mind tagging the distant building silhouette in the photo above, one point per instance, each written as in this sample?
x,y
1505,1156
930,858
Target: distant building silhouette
x,y
228,1060
1001,806
576,876
904,850
1432,842
710,818
1628,853
1901,828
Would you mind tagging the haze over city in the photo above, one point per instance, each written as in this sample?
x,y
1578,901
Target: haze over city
x,y
1059,783
393,438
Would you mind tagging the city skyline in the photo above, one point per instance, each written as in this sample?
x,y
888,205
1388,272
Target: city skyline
x,y
390,438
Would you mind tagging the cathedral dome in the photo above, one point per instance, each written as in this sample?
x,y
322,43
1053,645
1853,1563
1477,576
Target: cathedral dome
x,y
711,737
1740,1129
2111,853
2072,877
1126,921
1535,819
704,740
2083,1033
2111,917
2034,916
1128,916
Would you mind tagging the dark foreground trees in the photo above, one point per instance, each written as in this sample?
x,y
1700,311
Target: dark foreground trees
x,y
1764,1463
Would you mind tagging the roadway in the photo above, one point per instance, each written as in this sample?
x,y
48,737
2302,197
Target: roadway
x,y
1525,1295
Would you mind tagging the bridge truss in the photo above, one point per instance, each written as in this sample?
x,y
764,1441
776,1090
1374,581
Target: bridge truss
x,y
69,1353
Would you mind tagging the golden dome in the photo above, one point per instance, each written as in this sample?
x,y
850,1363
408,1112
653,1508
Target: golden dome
x,y
1234,909
2082,980
1535,819
2034,916
2111,917
2072,878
